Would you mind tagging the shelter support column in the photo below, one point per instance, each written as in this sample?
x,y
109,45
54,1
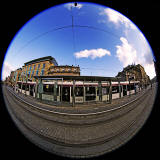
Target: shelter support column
x,y
100,91
61,91
21,86
107,92
110,91
55,91
129,88
36,89
29,89
119,88
84,91
73,99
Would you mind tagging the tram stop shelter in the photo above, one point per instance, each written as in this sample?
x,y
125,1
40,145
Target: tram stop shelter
x,y
74,89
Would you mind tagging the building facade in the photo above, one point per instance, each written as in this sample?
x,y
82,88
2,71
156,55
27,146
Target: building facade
x,y
64,70
37,67
44,66
134,72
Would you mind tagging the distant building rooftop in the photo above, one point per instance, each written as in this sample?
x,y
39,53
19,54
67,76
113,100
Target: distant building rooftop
x,y
50,58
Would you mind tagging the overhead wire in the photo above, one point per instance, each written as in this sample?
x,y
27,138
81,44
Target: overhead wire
x,y
64,27
73,33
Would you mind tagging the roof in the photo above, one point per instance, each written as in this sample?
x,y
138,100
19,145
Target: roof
x,y
64,66
80,78
50,58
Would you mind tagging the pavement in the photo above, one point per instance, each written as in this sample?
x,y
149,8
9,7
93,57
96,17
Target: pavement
x,y
104,133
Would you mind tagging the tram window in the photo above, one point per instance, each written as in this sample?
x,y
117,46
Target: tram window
x,y
19,85
105,90
90,90
78,91
130,87
48,88
23,87
115,89
27,88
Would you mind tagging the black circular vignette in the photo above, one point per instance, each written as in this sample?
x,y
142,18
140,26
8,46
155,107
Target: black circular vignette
x,y
15,14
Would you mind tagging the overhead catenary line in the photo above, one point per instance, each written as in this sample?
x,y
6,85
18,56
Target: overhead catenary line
x,y
73,34
41,35
65,27
94,68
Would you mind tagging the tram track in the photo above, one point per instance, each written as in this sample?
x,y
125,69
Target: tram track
x,y
76,116
82,119
90,143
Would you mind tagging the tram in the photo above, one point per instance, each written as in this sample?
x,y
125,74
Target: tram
x,y
81,91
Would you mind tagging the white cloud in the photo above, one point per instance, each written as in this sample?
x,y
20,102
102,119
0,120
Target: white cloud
x,y
7,68
69,5
117,18
126,52
93,53
127,55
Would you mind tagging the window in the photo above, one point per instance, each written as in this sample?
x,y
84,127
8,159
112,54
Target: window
x,y
37,73
29,73
90,90
130,87
115,89
42,72
43,65
32,73
38,66
49,89
78,91
34,67
105,91
23,87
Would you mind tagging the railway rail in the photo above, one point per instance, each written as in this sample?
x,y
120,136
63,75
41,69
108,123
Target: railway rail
x,y
105,130
80,118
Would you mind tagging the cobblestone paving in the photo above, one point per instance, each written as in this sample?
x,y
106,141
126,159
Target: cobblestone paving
x,y
84,134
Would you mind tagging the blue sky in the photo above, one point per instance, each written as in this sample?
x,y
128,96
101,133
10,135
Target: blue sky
x,y
106,43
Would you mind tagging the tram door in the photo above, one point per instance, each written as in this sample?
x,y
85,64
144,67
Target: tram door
x,y
31,89
66,94
124,90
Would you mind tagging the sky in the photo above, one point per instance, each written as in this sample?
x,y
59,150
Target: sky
x,y
99,39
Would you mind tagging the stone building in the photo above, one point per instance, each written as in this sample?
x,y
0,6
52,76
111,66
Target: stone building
x,y
12,78
37,67
44,66
17,74
134,72
64,70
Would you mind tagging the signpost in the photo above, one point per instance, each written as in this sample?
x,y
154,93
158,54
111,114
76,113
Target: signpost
x,y
55,91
